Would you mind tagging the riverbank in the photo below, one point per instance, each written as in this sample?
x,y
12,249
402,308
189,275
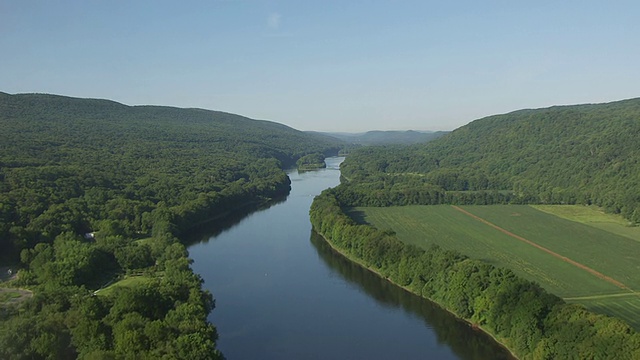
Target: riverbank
x,y
260,301
520,314
362,264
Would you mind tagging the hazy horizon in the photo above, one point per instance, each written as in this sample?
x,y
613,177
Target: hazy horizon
x,y
326,66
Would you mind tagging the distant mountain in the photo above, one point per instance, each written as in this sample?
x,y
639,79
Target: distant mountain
x,y
386,137
69,120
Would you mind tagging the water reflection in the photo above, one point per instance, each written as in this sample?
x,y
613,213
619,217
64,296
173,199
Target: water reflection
x,y
458,335
208,230
280,297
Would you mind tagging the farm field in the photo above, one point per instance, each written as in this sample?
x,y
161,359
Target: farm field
x,y
574,260
592,216
624,306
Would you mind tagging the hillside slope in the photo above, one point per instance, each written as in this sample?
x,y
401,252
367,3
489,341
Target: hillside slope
x,y
54,149
135,178
94,122
563,154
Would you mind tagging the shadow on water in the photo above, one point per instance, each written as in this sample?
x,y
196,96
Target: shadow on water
x,y
465,341
203,232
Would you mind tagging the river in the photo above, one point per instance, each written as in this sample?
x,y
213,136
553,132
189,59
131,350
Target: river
x,y
282,293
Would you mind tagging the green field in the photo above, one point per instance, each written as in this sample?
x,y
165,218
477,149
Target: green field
x,y
130,281
610,253
9,295
595,217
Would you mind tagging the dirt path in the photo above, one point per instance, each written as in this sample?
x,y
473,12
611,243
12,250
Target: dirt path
x,y
563,258
596,297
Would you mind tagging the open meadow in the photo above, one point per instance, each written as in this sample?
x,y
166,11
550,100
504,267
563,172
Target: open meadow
x,y
129,281
571,251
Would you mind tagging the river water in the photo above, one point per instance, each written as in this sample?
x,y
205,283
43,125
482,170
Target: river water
x,y
282,293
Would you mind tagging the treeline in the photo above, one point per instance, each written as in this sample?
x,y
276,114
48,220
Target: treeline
x,y
136,178
457,335
583,154
529,321
400,190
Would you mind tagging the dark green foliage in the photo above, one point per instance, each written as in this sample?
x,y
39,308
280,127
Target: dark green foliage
x,y
137,177
584,154
531,322
70,164
311,161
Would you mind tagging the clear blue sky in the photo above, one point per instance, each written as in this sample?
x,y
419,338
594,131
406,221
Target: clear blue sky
x,y
327,65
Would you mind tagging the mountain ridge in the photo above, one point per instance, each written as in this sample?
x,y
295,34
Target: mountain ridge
x,y
562,154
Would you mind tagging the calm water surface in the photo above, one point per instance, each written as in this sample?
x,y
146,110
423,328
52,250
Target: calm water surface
x,y
282,293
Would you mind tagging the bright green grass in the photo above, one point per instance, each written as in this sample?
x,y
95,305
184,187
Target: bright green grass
x,y
9,295
623,307
451,229
13,296
610,254
593,216
143,241
131,281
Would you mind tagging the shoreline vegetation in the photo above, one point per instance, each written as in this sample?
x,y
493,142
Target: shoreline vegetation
x,y
362,264
567,258
530,322
92,190
562,155
156,300
311,162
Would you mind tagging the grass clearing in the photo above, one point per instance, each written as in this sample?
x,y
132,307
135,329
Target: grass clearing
x,y
622,307
593,216
143,241
10,296
129,281
606,252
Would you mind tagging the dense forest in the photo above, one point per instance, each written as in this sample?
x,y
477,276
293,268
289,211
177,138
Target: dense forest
x,y
93,191
584,154
581,154
311,161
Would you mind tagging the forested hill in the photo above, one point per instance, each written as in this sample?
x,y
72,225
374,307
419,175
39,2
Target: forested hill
x,y
55,150
94,122
135,177
562,154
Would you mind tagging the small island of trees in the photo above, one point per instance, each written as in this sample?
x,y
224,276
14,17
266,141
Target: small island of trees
x,y
311,162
